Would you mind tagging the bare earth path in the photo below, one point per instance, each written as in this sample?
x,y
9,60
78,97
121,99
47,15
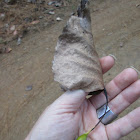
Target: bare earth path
x,y
116,30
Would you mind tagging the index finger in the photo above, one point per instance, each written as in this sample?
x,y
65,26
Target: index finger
x,y
107,63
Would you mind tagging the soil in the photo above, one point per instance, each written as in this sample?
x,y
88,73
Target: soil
x,y
116,30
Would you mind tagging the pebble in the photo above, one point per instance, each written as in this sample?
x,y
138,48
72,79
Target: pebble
x,y
121,44
40,17
109,34
13,27
72,14
6,25
58,19
51,2
31,1
2,16
28,88
19,41
46,12
51,12
137,5
57,4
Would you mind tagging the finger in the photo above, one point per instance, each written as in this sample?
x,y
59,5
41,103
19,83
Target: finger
x,y
116,86
70,101
125,98
124,126
107,63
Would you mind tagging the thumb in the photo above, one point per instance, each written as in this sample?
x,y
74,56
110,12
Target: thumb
x,y
71,99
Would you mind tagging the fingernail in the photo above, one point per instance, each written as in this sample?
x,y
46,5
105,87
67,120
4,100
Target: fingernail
x,y
135,70
114,57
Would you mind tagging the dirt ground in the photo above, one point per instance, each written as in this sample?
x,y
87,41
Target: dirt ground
x,y
116,30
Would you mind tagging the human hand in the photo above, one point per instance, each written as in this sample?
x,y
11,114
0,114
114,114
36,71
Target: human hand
x,y
72,114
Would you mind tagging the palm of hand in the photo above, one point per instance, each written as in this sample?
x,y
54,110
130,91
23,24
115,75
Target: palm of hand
x,y
68,121
88,119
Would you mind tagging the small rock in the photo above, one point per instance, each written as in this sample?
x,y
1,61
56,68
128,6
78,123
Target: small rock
x,y
31,1
109,34
46,12
6,25
72,14
40,17
13,27
137,5
51,12
58,19
121,44
19,41
28,88
57,4
2,16
51,2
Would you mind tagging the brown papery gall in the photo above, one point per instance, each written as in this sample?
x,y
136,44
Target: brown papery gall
x,y
76,63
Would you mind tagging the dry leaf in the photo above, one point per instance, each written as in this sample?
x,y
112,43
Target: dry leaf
x,y
76,63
